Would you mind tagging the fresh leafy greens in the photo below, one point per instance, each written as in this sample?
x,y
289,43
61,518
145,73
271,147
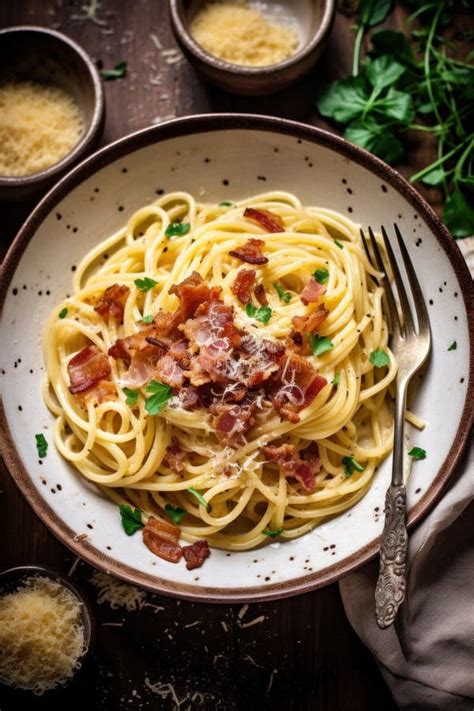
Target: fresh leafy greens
x,y
319,344
225,203
131,519
160,394
145,284
338,244
379,359
263,314
453,346
63,313
417,453
131,395
177,229
272,534
285,296
337,379
351,465
41,445
119,71
198,496
321,275
175,513
148,318
420,86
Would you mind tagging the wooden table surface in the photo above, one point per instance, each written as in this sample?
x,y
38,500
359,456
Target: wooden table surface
x,y
303,655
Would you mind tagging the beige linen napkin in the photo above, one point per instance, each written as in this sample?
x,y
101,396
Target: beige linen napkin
x,y
427,656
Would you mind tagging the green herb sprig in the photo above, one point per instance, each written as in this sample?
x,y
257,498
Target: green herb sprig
x,y
263,314
160,394
177,229
41,445
272,534
119,71
131,519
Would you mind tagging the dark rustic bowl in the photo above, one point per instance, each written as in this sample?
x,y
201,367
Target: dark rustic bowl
x,y
240,79
13,578
40,54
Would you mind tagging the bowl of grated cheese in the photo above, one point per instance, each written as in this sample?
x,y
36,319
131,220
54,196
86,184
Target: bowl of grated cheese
x,y
249,46
46,631
51,108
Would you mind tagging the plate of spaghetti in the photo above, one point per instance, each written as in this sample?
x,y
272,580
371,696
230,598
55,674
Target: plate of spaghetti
x,y
211,414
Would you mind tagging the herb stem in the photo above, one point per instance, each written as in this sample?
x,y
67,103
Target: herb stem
x,y
357,47
435,164
427,63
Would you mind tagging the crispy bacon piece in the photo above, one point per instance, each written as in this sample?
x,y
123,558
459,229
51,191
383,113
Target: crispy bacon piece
x,y
250,252
168,371
112,302
192,292
196,554
103,391
86,369
232,422
312,292
162,539
294,387
190,398
260,295
266,219
243,285
310,323
263,358
291,463
175,457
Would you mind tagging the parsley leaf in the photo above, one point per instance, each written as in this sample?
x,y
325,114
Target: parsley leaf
x,y
160,395
319,344
263,314
272,534
339,244
119,71
379,359
459,214
344,100
376,138
417,453
145,284
41,445
453,346
148,319
131,519
351,465
177,229
63,313
337,379
321,275
132,396
224,203
284,295
198,496
373,12
175,513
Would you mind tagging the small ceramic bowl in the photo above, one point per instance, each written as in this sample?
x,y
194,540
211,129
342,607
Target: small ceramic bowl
x,y
313,21
40,54
13,578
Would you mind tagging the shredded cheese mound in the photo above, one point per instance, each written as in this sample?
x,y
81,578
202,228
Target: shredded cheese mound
x,y
240,34
117,594
41,635
39,125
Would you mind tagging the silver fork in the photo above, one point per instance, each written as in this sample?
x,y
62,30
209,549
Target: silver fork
x,y
411,344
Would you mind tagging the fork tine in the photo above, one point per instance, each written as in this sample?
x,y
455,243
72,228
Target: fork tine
x,y
392,310
366,247
402,294
420,305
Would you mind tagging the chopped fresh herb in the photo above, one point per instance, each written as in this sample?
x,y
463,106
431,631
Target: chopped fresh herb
x,y
272,534
263,314
198,496
321,275
160,395
224,203
337,379
453,346
339,244
351,465
41,445
319,344
284,295
417,453
148,319
119,71
379,359
131,519
132,396
63,313
177,229
145,284
175,513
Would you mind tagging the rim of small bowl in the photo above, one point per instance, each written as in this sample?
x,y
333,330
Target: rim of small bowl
x,y
95,124
199,52
201,124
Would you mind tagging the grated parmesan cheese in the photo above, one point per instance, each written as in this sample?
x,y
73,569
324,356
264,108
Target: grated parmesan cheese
x,y
117,594
240,34
39,125
41,635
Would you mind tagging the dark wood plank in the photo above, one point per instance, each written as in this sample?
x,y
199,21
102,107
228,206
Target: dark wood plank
x,y
304,656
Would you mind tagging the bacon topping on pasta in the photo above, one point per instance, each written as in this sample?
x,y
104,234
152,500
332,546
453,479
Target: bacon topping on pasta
x,y
162,539
112,302
250,252
244,284
265,218
291,463
312,292
196,554
87,368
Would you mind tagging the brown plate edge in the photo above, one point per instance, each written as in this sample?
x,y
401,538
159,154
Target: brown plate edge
x,y
206,123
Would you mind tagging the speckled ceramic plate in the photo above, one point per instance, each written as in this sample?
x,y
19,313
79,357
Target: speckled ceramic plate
x,y
219,157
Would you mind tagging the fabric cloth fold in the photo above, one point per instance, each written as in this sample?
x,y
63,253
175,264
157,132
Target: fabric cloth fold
x,y
427,656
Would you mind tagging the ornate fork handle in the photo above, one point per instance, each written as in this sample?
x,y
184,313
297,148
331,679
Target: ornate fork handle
x,y
390,590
